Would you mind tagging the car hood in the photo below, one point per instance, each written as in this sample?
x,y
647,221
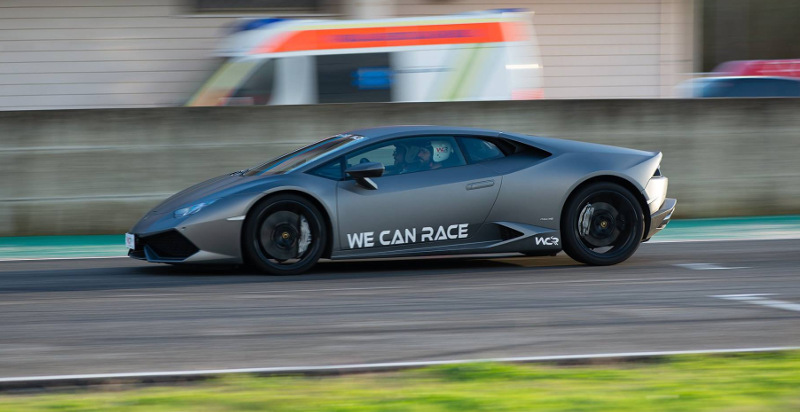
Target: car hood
x,y
218,187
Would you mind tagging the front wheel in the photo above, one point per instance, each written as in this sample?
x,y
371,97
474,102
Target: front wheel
x,y
603,224
284,235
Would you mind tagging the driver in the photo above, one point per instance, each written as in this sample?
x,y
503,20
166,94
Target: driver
x,y
400,165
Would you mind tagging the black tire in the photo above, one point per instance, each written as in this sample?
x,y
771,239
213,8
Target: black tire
x,y
603,224
273,239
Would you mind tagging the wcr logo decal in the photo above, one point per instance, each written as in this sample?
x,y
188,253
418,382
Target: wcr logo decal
x,y
546,241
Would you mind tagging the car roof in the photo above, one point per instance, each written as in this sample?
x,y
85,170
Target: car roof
x,y
376,133
743,86
373,135
745,78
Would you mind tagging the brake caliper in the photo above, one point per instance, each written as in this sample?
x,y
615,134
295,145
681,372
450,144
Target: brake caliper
x,y
585,221
305,236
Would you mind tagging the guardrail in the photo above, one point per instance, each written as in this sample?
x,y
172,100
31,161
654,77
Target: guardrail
x,y
97,171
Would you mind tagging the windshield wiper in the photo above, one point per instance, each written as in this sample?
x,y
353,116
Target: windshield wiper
x,y
239,172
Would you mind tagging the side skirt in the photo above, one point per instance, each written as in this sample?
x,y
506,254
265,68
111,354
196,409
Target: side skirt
x,y
500,237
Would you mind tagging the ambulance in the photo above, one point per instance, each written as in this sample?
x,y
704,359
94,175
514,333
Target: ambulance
x,y
489,55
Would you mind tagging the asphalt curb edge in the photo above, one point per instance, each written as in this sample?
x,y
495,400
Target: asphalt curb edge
x,y
86,380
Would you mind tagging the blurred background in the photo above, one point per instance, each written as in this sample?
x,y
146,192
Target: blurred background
x,y
108,107
607,71
69,54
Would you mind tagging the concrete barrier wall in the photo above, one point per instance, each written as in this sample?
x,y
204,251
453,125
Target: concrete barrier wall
x,y
98,171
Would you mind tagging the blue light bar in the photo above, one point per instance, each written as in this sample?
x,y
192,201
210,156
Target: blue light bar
x,y
254,24
509,10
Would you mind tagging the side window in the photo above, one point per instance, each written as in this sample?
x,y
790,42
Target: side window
x,y
352,78
413,154
257,89
383,153
479,150
332,170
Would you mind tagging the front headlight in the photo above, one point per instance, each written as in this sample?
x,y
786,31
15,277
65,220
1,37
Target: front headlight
x,y
190,210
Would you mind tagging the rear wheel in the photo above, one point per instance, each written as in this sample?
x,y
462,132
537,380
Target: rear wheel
x,y
284,235
603,224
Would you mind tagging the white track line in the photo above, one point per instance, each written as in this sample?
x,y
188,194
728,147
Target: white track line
x,y
381,366
707,266
758,299
323,290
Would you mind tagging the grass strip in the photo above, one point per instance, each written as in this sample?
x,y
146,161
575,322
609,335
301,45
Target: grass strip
x,y
730,382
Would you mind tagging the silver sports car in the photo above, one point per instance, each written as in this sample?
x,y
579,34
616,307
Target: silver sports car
x,y
412,191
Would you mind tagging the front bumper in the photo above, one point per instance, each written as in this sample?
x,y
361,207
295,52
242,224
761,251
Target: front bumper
x,y
202,238
164,247
660,218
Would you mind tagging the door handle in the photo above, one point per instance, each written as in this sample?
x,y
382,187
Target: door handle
x,y
480,185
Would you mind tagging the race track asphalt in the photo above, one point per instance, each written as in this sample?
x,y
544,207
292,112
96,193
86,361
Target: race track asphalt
x,y
120,315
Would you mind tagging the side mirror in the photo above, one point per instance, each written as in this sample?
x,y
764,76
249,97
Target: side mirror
x,y
363,171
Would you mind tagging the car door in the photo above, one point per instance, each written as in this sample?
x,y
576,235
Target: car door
x,y
414,209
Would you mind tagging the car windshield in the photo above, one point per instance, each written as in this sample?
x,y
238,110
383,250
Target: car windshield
x,y
220,88
303,155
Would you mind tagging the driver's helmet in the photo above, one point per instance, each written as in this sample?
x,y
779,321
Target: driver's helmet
x,y
440,150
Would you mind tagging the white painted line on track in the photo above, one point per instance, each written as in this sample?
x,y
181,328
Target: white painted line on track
x,y
758,299
270,292
568,282
430,289
707,266
742,296
385,366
